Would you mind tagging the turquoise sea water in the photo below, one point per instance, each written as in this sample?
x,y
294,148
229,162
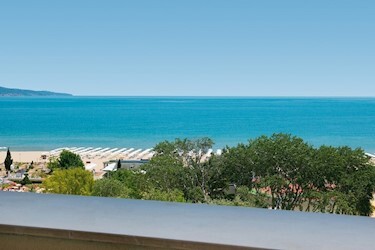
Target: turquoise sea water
x,y
47,123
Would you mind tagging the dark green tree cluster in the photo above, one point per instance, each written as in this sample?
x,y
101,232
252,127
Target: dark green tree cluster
x,y
183,165
66,160
279,172
287,173
133,184
176,173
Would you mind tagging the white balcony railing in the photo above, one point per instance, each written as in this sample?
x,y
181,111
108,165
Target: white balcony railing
x,y
40,221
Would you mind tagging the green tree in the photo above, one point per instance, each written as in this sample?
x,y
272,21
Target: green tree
x,y
345,182
132,180
278,165
109,187
294,175
8,161
185,156
165,173
244,197
283,166
280,171
238,165
26,180
75,181
155,194
66,160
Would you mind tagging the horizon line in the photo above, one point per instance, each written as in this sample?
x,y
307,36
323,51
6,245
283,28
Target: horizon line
x,y
198,96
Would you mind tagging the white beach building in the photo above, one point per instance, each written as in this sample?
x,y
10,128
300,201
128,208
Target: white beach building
x,y
110,167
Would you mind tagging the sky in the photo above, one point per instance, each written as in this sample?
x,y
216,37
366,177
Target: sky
x,y
189,48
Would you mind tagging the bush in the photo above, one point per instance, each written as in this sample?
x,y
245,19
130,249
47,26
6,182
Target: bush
x,y
110,188
26,180
70,181
155,194
66,160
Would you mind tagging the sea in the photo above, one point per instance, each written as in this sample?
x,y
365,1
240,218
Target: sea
x,y
45,123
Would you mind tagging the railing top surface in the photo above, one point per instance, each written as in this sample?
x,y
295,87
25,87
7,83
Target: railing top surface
x,y
251,227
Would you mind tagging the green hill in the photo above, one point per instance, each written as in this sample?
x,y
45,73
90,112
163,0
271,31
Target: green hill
x,y
24,92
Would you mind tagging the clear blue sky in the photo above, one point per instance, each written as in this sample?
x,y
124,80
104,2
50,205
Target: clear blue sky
x,y
240,48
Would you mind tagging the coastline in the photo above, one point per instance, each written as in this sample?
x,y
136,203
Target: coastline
x,y
41,124
24,156
95,158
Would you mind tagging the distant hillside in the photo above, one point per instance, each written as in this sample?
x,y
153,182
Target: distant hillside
x,y
24,92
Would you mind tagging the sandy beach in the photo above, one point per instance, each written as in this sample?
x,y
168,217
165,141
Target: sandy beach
x,y
24,156
95,158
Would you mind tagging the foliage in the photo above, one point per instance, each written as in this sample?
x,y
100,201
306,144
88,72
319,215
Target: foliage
x,y
26,180
75,181
66,160
279,172
8,161
155,194
350,176
297,176
109,187
134,181
165,173
243,197
185,158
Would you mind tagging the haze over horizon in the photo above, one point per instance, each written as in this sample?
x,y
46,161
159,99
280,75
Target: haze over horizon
x,y
192,96
194,48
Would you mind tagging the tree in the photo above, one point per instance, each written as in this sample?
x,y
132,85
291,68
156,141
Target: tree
x,y
75,181
287,173
278,165
188,154
66,160
244,197
155,194
165,173
345,182
281,164
280,171
109,187
238,165
132,180
8,161
26,180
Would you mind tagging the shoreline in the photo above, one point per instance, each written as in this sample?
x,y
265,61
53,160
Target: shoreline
x,y
92,156
370,150
144,122
96,157
23,156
